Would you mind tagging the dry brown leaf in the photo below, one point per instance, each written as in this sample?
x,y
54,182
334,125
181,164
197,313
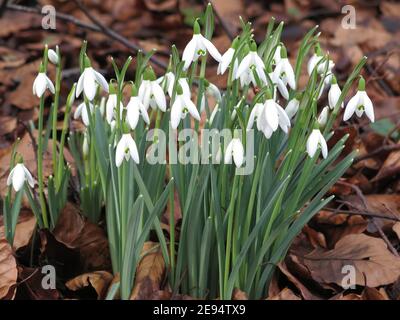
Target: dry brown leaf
x,y
149,273
239,295
285,294
396,229
390,167
98,280
24,229
8,271
380,204
374,264
77,232
304,291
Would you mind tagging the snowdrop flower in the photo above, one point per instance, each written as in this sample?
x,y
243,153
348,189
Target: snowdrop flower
x,y
134,109
111,105
323,117
150,92
359,104
284,70
315,60
17,177
234,150
53,56
126,148
198,46
278,82
316,140
277,55
334,94
181,106
87,81
211,91
252,62
81,111
271,117
254,114
227,57
167,82
41,83
293,106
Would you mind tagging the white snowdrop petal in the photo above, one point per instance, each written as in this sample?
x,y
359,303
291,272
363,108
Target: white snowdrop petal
x,y
159,96
351,107
188,53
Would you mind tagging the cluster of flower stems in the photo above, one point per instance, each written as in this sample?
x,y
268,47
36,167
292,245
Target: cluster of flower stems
x,y
234,228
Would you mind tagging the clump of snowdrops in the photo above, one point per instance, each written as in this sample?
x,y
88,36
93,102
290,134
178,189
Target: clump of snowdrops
x,y
243,197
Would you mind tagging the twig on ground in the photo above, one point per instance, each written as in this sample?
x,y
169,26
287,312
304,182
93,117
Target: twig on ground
x,y
391,147
365,204
92,27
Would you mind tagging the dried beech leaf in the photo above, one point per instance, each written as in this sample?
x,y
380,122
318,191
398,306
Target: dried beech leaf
x,y
8,271
99,280
149,273
374,264
285,294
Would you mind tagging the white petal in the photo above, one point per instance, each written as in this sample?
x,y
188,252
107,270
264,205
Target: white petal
x,y
132,114
89,84
50,85
368,107
244,66
333,95
101,80
226,60
120,152
79,86
132,148
29,177
78,111
271,114
284,121
292,107
9,179
282,88
211,49
312,143
351,107
238,152
228,152
324,147
253,115
191,107
18,178
176,113
40,84
289,73
188,52
159,96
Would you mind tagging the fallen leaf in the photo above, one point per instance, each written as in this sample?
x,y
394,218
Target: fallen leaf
x,y
98,280
374,264
24,229
150,272
239,295
390,168
8,271
285,294
76,232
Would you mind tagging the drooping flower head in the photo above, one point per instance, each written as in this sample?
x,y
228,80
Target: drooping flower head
x,y
251,64
359,104
316,141
18,175
227,57
197,47
126,148
181,107
111,105
284,70
150,92
88,81
41,83
334,94
234,150
134,109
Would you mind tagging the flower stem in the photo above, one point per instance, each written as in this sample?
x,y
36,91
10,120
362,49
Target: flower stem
x,y
40,165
